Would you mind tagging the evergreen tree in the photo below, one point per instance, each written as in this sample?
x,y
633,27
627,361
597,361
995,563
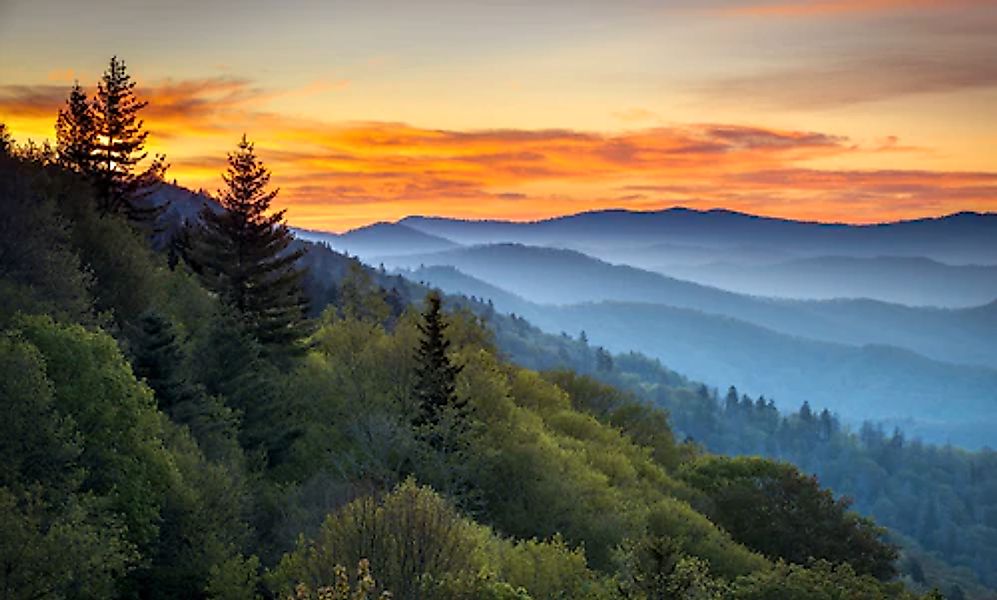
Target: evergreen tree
x,y
119,144
242,254
731,401
435,388
603,360
158,360
76,134
6,142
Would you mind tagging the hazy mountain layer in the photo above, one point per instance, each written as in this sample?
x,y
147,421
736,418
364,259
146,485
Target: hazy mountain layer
x,y
939,401
551,276
903,280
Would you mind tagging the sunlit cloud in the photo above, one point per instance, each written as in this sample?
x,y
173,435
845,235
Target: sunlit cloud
x,y
342,175
845,7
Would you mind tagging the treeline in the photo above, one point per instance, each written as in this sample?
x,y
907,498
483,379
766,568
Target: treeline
x,y
175,426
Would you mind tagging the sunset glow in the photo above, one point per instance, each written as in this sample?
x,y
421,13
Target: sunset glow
x,y
829,110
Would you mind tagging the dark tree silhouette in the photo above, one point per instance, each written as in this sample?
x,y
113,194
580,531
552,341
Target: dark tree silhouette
x,y
435,388
119,148
76,133
6,142
242,254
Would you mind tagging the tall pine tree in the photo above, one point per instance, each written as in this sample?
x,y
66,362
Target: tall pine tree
x,y
119,148
76,133
435,389
242,254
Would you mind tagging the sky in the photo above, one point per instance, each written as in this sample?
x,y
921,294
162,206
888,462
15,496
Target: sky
x,y
853,111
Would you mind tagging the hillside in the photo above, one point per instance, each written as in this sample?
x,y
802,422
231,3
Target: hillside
x,y
169,447
864,382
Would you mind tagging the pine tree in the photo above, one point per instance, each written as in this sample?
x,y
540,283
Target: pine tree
x,y
6,142
76,134
158,359
435,388
119,148
242,254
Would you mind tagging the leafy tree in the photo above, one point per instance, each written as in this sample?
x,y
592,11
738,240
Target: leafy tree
x,y
59,538
40,270
412,533
774,509
819,581
241,253
120,140
435,388
76,133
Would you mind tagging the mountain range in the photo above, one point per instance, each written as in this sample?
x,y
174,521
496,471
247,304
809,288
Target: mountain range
x,y
891,322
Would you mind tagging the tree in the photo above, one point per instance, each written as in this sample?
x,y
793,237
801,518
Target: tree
x,y
603,360
435,388
76,133
774,509
242,254
120,141
6,142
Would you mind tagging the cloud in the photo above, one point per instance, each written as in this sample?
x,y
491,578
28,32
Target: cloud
x,y
858,79
339,175
808,8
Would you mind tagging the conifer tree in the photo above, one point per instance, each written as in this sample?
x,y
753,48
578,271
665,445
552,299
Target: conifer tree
x,y
6,142
158,360
76,134
242,254
435,388
119,147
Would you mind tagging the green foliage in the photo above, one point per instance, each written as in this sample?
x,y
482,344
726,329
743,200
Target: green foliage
x,y
40,270
122,453
774,509
56,539
440,413
241,254
70,549
819,581
411,534
421,547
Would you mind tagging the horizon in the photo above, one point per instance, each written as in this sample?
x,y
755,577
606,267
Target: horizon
x,y
676,208
514,112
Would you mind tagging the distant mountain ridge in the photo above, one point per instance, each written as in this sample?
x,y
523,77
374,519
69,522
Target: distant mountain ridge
x,y
565,277
960,238
379,239
915,281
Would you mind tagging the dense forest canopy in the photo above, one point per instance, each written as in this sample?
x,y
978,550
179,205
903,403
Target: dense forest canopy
x,y
178,422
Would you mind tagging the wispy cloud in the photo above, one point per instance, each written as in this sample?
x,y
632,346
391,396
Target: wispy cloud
x,y
858,79
806,8
338,175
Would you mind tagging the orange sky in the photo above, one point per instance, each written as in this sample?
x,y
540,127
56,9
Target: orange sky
x,y
831,110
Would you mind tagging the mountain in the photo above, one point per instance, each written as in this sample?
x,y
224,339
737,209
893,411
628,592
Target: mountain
x,y
860,382
565,277
904,280
379,239
961,238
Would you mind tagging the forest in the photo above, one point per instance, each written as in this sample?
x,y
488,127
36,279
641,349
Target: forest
x,y
197,410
